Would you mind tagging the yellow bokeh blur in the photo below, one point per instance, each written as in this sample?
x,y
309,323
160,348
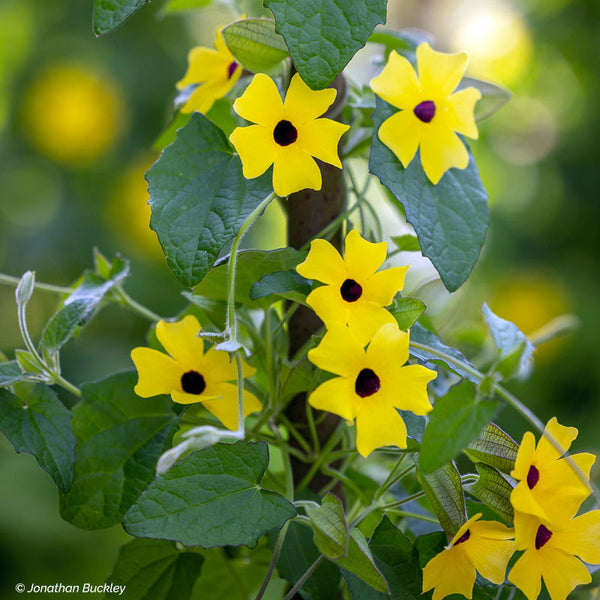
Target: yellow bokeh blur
x,y
530,300
497,39
73,114
129,211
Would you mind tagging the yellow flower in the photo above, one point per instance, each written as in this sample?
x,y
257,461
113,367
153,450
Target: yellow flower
x,y
548,487
215,71
430,114
551,554
189,374
354,293
371,385
483,546
287,134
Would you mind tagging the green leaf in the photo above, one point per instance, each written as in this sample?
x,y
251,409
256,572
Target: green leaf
x,y
41,427
298,553
120,437
493,97
155,570
406,311
324,35
403,40
200,198
450,218
109,14
494,447
516,351
211,498
397,560
255,44
173,6
330,527
29,363
444,492
25,288
10,372
456,420
252,265
78,308
282,284
407,243
301,377
419,334
359,562
429,545
493,489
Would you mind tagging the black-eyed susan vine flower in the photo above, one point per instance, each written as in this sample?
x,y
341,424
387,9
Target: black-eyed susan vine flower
x,y
430,115
214,70
371,384
189,374
355,292
288,135
548,487
555,554
478,546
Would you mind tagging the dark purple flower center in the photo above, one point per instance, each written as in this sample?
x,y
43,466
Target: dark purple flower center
x,y
367,383
533,476
463,538
351,290
425,111
193,383
285,133
231,69
542,536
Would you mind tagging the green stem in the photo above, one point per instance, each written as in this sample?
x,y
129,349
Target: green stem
x,y
231,321
9,280
240,390
59,380
409,515
273,563
313,429
287,464
333,226
294,432
517,405
136,306
304,578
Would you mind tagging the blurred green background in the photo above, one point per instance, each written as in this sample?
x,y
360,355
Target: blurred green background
x,y
78,118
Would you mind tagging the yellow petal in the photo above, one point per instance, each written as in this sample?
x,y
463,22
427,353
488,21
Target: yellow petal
x,y
261,102
157,372
327,302
256,148
398,83
527,575
402,134
225,407
384,285
460,114
526,527
320,138
407,388
581,537
221,46
546,452
335,396
204,96
182,397
323,263
378,424
303,104
365,318
441,149
295,170
181,341
524,501
489,549
562,573
439,73
217,367
205,64
339,352
449,573
525,457
388,350
363,258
